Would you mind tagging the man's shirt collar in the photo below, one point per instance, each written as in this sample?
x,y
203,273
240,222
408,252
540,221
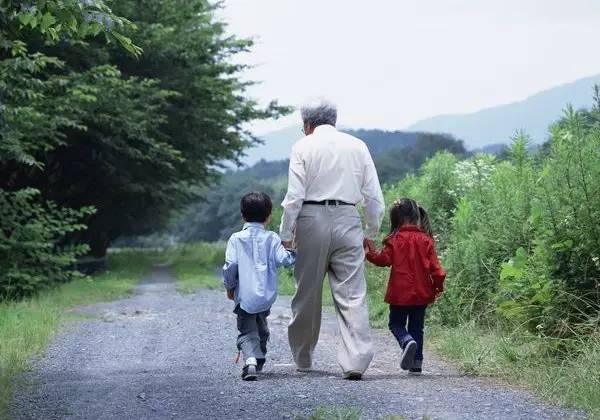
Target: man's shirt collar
x,y
324,128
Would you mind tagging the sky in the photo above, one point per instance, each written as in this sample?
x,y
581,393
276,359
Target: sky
x,y
390,63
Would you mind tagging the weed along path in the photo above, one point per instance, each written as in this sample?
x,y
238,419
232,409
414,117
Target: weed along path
x,y
163,355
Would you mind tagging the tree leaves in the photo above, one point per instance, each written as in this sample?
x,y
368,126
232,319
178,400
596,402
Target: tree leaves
x,y
521,239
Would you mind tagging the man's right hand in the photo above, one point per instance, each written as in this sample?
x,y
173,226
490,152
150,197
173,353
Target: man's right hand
x,y
287,244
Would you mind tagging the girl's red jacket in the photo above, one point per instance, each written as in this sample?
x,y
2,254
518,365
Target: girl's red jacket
x,y
416,276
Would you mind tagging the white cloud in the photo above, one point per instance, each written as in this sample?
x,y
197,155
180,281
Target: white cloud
x,y
388,63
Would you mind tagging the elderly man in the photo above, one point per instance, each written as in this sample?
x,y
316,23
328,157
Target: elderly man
x,y
330,173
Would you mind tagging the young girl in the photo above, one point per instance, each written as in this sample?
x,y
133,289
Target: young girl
x,y
416,278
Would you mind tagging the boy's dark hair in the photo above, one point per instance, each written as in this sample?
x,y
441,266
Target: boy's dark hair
x,y
404,211
256,207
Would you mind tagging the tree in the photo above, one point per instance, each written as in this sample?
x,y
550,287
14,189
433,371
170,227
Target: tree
x,y
33,230
143,129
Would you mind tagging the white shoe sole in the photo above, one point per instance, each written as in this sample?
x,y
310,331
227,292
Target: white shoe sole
x,y
250,374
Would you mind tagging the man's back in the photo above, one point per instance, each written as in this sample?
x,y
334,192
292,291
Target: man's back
x,y
331,165
335,165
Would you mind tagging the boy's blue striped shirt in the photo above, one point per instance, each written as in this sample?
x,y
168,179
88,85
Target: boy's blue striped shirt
x,y
252,258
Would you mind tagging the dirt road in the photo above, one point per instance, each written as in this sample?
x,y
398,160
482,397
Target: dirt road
x,y
161,355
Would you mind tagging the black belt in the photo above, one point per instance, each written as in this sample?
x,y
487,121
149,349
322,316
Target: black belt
x,y
329,202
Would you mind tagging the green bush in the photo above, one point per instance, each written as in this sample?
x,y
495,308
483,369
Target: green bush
x,y
31,232
520,238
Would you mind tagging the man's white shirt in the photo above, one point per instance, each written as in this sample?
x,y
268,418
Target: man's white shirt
x,y
331,165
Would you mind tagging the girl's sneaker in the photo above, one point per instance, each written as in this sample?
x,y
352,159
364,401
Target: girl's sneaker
x,y
260,364
408,355
249,370
417,368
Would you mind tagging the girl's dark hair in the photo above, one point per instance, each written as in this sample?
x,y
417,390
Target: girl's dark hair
x,y
424,222
404,211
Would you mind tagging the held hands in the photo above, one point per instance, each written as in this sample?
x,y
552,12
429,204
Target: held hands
x,y
369,245
230,294
289,245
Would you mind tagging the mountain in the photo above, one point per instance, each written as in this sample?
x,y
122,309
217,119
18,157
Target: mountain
x,y
278,144
491,126
497,124
216,215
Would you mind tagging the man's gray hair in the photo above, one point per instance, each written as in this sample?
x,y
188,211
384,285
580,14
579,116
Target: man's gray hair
x,y
318,112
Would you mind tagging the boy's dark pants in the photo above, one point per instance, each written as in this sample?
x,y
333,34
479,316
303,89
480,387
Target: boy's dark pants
x,y
414,316
254,333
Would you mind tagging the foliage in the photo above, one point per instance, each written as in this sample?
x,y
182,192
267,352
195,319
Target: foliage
x,y
31,256
396,163
195,266
519,237
87,119
133,132
217,215
56,20
34,112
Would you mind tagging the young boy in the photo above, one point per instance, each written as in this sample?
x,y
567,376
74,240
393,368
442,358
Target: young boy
x,y
250,277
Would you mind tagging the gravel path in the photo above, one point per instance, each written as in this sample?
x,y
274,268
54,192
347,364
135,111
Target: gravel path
x,y
162,355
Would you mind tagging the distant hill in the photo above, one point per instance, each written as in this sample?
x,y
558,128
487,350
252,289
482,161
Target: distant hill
x,y
216,215
278,144
492,126
394,153
497,124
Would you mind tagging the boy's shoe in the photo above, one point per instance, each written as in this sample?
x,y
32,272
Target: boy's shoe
x,y
249,370
260,364
408,355
304,369
417,368
352,376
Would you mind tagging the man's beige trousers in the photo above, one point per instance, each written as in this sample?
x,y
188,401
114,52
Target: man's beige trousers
x,y
330,241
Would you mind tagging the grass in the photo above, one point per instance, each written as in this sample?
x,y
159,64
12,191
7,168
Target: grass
x,y
287,286
195,266
571,379
27,326
334,413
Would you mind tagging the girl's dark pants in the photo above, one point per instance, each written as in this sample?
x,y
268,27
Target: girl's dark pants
x,y
406,323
